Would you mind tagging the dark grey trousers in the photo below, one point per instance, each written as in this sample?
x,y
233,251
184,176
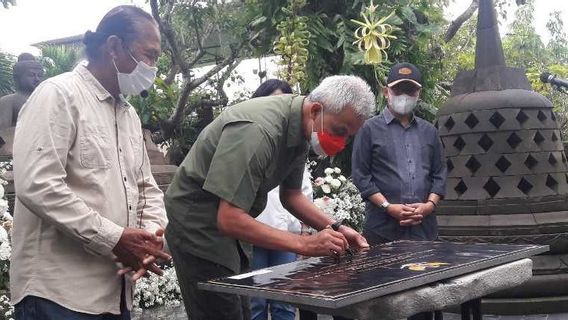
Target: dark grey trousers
x,y
207,305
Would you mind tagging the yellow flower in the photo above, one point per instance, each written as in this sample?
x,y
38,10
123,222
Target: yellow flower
x,y
374,54
373,36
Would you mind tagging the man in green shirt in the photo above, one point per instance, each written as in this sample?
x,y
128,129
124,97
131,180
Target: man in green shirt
x,y
223,182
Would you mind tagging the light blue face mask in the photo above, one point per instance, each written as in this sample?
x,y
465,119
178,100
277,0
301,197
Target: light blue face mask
x,y
140,79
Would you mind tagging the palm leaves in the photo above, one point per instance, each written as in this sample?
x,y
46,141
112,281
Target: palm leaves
x,y
57,59
6,78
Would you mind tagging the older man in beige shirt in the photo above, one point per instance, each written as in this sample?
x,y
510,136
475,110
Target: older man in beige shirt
x,y
85,193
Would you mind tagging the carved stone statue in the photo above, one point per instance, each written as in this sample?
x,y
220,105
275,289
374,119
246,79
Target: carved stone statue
x,y
28,73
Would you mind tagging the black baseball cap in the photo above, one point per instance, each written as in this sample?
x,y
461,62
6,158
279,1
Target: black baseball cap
x,y
404,72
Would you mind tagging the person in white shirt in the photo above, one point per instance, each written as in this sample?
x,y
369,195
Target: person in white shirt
x,y
277,217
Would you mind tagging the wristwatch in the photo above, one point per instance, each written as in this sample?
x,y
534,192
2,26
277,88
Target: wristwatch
x,y
385,205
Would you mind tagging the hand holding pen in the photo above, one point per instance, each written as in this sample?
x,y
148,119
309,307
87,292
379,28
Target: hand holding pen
x,y
335,226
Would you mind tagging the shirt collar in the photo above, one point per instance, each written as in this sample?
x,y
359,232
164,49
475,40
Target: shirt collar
x,y
98,89
389,117
295,136
387,114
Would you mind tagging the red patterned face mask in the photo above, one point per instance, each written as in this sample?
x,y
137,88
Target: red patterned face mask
x,y
325,144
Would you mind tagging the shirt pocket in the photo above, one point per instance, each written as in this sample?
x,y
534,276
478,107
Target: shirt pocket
x,y
136,145
95,148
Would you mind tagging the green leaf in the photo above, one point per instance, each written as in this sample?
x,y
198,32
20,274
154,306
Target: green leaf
x,y
257,21
409,15
395,20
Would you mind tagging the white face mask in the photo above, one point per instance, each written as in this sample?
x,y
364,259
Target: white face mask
x,y
315,143
140,79
402,104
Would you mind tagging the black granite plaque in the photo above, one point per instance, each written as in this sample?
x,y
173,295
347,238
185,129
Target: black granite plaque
x,y
374,272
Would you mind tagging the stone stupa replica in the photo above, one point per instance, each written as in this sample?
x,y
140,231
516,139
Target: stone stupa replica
x,y
507,171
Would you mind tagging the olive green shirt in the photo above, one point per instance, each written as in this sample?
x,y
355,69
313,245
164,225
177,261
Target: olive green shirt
x,y
248,150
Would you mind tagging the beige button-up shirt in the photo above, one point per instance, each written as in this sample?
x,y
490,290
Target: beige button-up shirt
x,y
81,174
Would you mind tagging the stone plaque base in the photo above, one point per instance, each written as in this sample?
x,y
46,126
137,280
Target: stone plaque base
x,y
378,271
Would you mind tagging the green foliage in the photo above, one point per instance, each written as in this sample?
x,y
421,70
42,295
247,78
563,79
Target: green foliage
x,y
331,49
6,77
459,53
219,25
57,59
292,42
199,33
159,104
524,48
420,27
558,44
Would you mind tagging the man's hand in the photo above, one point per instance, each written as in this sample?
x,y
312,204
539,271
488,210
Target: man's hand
x,y
423,209
138,249
158,244
354,238
324,243
405,214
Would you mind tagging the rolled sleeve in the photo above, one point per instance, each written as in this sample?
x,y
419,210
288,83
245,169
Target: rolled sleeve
x,y
239,164
362,159
439,170
106,237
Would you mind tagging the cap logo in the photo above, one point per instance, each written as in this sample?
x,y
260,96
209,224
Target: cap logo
x,y
405,71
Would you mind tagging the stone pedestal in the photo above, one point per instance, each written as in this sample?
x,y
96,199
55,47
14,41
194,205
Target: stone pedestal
x,y
160,313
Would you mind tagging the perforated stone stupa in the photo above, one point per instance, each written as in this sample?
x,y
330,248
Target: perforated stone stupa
x,y
507,170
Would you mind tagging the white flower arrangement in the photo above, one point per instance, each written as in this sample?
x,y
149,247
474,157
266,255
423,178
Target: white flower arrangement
x,y
6,309
338,197
155,291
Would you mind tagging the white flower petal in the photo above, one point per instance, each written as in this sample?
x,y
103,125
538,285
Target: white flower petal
x,y
335,183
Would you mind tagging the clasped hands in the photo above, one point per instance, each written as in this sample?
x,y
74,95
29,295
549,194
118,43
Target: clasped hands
x,y
410,214
138,250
